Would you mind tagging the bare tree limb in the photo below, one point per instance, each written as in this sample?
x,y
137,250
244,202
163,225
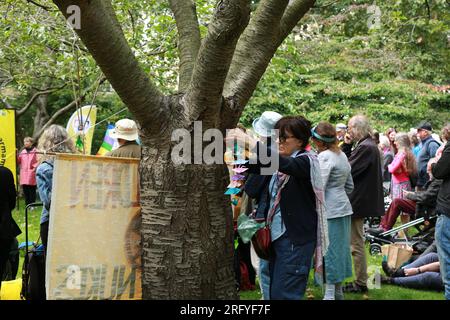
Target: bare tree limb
x,y
40,5
214,58
189,39
20,112
69,107
273,21
103,36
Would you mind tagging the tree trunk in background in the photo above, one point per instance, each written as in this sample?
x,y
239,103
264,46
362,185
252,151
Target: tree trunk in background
x,y
41,116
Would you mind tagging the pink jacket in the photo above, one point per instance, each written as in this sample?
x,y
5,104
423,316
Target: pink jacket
x,y
28,164
398,169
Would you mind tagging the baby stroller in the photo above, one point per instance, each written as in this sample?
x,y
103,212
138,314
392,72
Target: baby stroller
x,y
424,223
33,268
374,222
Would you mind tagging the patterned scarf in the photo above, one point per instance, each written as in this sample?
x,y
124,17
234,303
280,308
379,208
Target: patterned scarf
x,y
281,181
322,224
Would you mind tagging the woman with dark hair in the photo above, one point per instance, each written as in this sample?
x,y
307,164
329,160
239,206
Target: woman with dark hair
x,y
415,143
296,208
391,133
338,184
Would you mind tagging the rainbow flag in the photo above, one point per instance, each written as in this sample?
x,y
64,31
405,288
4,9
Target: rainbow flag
x,y
109,143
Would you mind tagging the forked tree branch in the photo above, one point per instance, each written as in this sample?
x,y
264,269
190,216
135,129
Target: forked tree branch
x,y
272,23
255,49
69,106
214,58
30,102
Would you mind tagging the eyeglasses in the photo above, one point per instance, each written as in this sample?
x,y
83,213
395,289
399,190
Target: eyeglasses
x,y
283,138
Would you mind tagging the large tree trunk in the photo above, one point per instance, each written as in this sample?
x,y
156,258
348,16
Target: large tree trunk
x,y
186,227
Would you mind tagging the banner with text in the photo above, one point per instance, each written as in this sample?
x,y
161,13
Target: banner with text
x,y
8,140
94,244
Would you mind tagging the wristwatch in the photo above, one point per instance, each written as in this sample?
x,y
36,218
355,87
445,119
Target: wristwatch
x,y
418,269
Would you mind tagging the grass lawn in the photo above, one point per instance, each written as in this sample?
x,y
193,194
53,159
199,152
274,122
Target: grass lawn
x,y
380,292
385,292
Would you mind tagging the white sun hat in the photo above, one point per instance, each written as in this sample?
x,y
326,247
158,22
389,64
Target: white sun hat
x,y
264,124
125,129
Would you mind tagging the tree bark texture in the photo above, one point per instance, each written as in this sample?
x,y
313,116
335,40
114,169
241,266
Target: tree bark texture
x,y
187,228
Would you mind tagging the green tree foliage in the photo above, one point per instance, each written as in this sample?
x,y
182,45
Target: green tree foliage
x,y
339,62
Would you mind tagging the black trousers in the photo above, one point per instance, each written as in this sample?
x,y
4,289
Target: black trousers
x,y
5,247
30,193
44,234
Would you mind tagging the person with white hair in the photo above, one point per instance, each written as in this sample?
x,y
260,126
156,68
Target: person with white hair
x,y
367,196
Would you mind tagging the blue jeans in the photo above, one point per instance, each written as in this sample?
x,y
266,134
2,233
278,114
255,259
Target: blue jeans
x,y
264,278
289,269
442,236
426,280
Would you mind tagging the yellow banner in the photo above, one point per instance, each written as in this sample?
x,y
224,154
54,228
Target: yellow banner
x,y
82,133
8,140
94,244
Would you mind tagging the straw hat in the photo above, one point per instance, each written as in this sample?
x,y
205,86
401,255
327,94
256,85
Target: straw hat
x,y
125,129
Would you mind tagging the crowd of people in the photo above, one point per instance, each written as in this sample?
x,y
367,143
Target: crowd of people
x,y
357,168
329,180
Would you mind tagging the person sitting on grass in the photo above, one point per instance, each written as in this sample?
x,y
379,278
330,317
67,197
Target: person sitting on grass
x,y
423,273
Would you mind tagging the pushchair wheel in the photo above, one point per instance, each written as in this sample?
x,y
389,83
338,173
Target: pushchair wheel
x,y
374,249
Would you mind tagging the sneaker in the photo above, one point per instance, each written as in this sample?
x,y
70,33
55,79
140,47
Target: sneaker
x,y
387,270
353,287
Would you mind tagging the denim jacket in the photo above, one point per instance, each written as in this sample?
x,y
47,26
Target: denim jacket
x,y
44,179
